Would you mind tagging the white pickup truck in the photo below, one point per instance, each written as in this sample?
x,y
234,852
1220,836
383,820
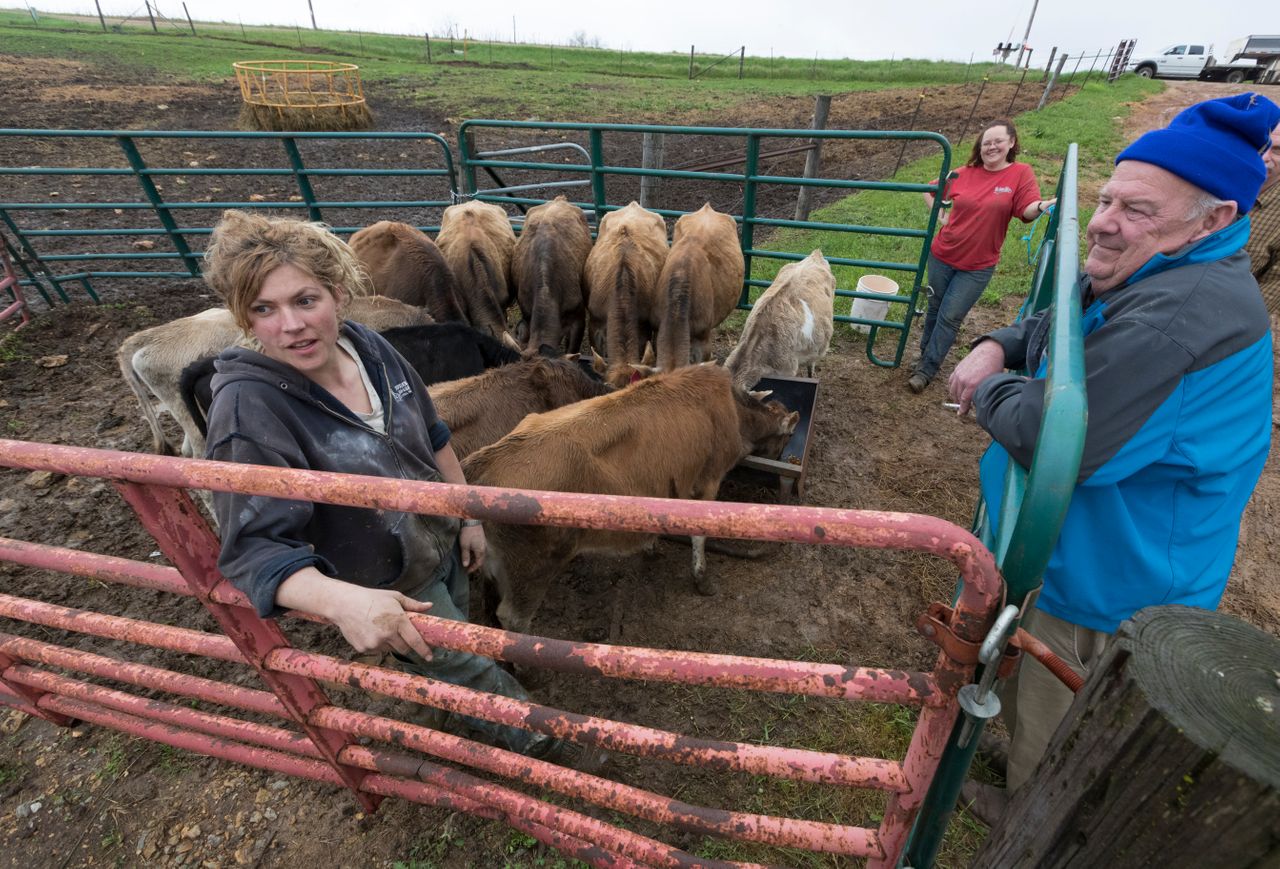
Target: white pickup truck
x,y
1253,58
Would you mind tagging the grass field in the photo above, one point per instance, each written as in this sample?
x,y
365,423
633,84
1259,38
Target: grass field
x,y
500,77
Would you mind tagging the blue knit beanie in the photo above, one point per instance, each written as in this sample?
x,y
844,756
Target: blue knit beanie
x,y
1216,145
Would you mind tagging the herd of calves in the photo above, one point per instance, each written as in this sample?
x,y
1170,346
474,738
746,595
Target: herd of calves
x,y
533,418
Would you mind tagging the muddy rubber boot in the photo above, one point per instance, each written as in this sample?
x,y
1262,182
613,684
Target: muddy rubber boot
x,y
917,383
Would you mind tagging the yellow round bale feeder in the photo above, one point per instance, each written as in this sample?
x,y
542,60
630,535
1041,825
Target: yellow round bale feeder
x,y
301,95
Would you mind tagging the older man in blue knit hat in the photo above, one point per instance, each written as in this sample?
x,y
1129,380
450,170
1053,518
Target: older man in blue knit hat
x,y
1178,376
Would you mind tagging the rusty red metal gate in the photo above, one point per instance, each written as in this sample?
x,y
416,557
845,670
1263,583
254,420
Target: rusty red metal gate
x,y
325,742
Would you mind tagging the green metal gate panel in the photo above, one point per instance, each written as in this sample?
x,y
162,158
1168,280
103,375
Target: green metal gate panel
x,y
586,169
1036,500
139,200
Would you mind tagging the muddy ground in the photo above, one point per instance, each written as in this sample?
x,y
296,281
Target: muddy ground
x,y
87,796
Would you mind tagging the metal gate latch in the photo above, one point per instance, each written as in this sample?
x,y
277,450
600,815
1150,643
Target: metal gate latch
x,y
978,701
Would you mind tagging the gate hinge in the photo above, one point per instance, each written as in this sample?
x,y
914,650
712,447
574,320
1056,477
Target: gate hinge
x,y
935,625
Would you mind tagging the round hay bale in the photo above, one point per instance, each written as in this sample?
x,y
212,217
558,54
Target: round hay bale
x,y
301,95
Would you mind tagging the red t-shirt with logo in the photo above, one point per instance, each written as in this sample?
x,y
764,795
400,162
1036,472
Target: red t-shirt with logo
x,y
984,203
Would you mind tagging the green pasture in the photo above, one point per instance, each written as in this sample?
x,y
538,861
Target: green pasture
x,y
479,78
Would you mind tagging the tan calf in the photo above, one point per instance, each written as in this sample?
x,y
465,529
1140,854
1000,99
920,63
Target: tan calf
x,y
674,435
152,360
404,264
699,286
547,269
622,280
483,409
477,242
790,326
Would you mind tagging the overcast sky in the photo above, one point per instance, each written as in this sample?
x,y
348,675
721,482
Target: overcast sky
x,y
830,28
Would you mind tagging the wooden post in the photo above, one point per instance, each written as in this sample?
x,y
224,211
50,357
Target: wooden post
x,y
813,160
100,16
652,146
1169,756
189,21
742,59
691,63
152,17
1044,97
1048,67
427,37
312,10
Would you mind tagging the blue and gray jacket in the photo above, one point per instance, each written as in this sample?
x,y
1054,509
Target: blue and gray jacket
x,y
1178,368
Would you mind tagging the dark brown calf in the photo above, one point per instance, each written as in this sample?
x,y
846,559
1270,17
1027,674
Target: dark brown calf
x,y
403,263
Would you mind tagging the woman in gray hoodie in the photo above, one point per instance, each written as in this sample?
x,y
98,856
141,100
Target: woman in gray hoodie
x,y
329,395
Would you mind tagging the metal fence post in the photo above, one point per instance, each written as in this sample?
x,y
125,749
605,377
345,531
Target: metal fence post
x,y
749,210
1014,99
153,196
973,110
185,539
911,125
651,156
597,177
301,177
813,160
1044,98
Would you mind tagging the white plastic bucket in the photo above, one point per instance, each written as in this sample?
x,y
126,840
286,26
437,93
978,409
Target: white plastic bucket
x,y
872,309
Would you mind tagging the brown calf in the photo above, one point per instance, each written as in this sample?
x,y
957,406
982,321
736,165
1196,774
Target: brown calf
x,y
547,268
404,264
481,410
477,242
790,326
674,435
699,285
622,279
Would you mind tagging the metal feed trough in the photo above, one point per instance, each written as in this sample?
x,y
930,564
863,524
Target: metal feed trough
x,y
786,470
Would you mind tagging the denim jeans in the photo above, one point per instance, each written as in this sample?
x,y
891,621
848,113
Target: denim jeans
x,y
954,292
449,594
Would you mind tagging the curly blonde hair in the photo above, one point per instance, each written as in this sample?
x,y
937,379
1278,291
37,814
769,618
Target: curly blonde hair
x,y
247,247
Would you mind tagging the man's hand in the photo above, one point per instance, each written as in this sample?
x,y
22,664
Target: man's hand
x,y
472,543
985,359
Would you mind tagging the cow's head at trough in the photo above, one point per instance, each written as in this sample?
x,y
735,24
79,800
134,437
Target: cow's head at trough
x,y
765,426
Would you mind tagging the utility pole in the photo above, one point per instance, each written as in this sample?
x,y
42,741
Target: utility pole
x,y
1035,5
100,18
312,10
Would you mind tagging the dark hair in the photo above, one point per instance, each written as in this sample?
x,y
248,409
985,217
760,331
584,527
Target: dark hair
x,y
975,156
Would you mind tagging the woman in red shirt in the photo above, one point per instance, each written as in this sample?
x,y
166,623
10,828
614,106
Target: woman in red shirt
x,y
985,193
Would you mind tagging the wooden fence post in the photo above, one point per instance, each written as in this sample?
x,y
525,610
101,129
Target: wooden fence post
x,y
100,16
813,160
189,21
152,17
691,63
1048,67
1169,756
652,146
1044,97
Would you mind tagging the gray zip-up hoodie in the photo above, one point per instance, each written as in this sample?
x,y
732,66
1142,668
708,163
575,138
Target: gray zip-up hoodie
x,y
267,413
